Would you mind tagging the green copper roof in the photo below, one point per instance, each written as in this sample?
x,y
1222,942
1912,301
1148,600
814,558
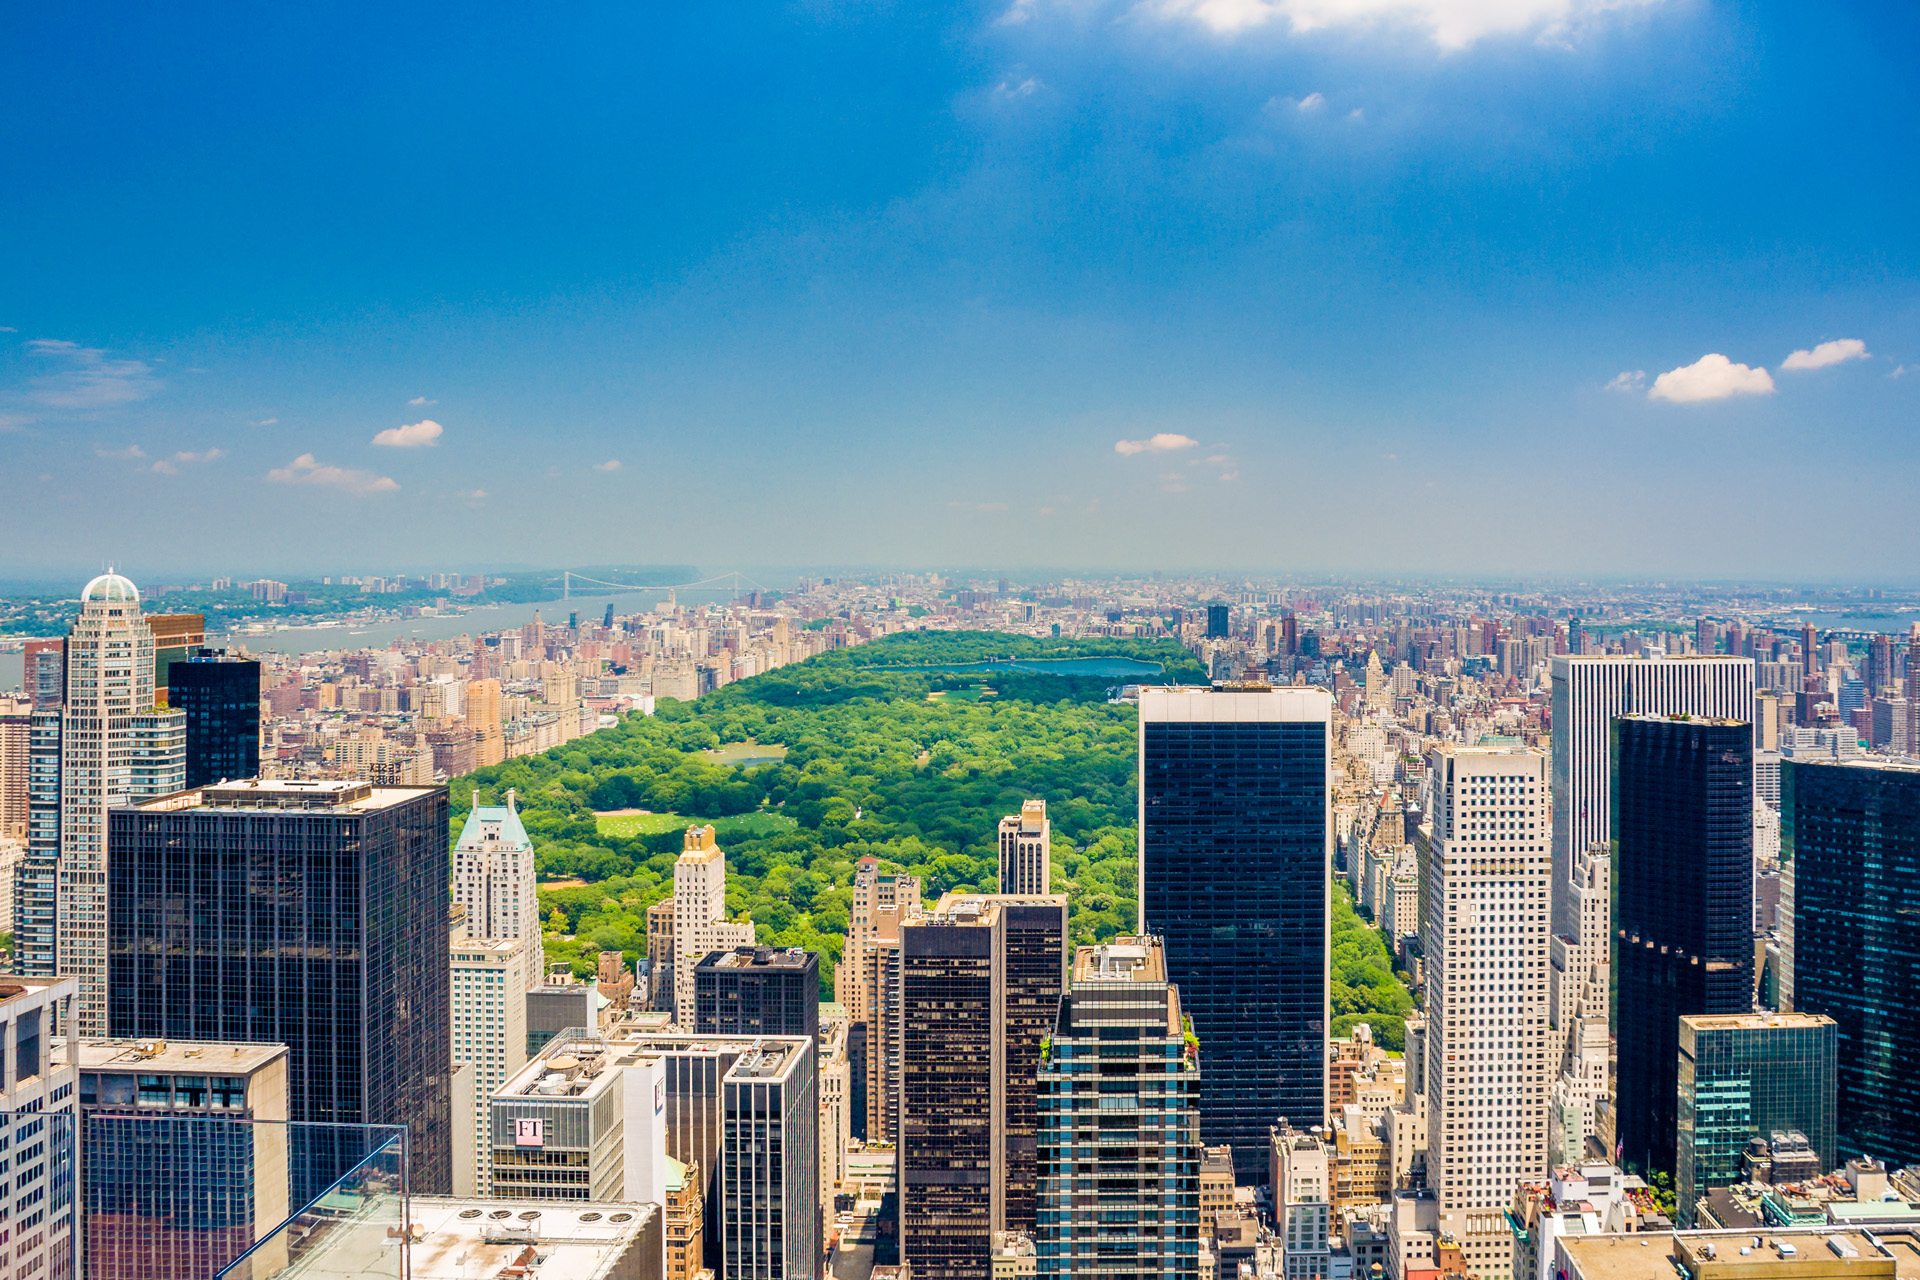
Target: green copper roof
x,y
511,832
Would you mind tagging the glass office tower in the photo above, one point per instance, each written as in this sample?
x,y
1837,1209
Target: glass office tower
x,y
1745,1076
1683,905
311,914
1850,837
221,697
1234,877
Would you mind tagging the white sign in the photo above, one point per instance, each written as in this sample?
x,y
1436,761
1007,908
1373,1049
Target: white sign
x,y
529,1133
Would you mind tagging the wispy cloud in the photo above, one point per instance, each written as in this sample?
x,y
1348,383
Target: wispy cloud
x,y
305,470
1164,442
420,400
1835,352
1312,102
474,496
130,453
415,435
86,379
979,506
171,466
267,422
1711,377
1450,24
1174,482
1628,380
611,464
13,421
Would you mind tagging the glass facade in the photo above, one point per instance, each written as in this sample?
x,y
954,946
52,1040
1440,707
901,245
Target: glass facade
x,y
1851,836
946,1102
1234,877
770,1205
1749,1076
1682,906
323,928
221,698
758,991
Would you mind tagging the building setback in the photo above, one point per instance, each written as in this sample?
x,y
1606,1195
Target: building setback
x,y
1683,895
1235,856
1118,1099
1026,854
312,914
1745,1076
1850,845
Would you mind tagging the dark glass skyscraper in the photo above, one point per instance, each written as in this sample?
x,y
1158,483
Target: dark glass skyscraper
x,y
1219,621
758,991
1234,873
312,914
1683,906
1850,837
221,697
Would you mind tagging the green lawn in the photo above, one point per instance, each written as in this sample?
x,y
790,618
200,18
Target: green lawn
x,y
628,825
736,752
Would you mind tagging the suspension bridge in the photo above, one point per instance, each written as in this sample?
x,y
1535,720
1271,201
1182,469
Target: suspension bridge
x,y
735,578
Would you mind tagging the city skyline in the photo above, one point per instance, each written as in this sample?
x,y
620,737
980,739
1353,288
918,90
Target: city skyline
x,y
1021,283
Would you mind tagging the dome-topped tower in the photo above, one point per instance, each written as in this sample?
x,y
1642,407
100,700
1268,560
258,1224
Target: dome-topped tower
x,y
110,588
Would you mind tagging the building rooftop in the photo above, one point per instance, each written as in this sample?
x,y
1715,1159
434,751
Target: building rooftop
x,y
1753,1021
213,1057
462,1239
1825,1253
1122,960
494,824
769,1059
287,793
12,987
795,958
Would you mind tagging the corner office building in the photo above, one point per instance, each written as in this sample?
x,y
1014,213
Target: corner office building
x,y
312,914
1850,837
1682,894
1235,857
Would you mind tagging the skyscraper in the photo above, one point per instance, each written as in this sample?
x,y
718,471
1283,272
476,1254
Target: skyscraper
x,y
488,986
46,673
115,746
493,872
757,991
981,978
1683,905
1219,621
1026,849
700,924
770,1164
1850,845
1485,945
1235,866
1744,1076
313,914
220,697
1135,1135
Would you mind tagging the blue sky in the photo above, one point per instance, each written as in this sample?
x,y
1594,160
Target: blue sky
x,y
1348,285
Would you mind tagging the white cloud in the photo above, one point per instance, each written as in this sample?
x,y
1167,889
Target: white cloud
x,y
1835,352
1628,380
13,421
611,464
422,400
1899,371
1451,24
474,496
1161,443
1711,377
1312,102
415,435
171,466
128,454
87,379
7,328
1022,87
304,470
267,422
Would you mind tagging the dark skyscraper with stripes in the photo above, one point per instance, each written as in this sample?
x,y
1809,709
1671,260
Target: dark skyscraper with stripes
x,y
221,697
1683,906
1234,876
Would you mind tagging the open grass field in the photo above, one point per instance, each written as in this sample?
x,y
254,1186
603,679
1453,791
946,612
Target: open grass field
x,y
627,825
746,753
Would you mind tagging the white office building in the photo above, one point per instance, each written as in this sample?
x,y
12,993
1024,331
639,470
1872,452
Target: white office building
x,y
700,924
115,747
491,978
1487,1039
493,873
1026,849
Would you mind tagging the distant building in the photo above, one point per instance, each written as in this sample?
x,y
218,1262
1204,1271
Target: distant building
x,y
581,1124
1216,1186
1219,621
700,924
494,874
350,972
489,985
1849,845
1026,840
1745,1076
1119,1022
1234,865
39,1121
220,697
1683,906
686,1220
555,1006
867,984
1302,1180
754,991
769,1160
172,1187
981,979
